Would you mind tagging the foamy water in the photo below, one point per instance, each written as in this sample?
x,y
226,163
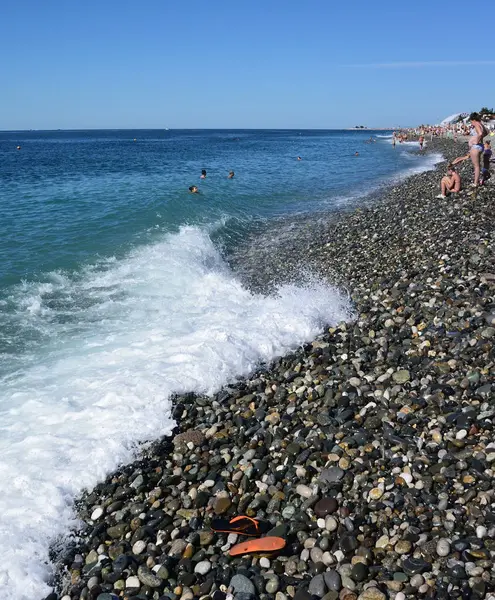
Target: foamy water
x,y
168,318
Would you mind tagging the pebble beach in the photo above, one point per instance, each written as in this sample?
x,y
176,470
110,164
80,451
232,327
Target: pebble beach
x,y
370,450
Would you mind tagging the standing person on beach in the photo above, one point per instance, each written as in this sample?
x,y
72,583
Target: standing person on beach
x,y
487,156
421,141
476,145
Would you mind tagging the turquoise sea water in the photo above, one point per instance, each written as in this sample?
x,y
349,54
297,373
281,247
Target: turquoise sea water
x,y
115,293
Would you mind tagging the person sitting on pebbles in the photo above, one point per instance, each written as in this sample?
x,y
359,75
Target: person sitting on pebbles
x,y
450,184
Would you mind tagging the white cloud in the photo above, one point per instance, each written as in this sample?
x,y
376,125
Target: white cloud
x,y
428,63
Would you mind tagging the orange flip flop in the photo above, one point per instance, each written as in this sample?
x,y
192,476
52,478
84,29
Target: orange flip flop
x,y
242,525
266,545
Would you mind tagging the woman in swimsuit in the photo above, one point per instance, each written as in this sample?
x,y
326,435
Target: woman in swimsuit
x,y
476,145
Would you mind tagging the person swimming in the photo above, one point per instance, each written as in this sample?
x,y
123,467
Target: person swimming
x,y
203,174
299,158
193,189
231,175
356,153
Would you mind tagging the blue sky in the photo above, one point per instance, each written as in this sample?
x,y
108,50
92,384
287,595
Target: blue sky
x,y
262,63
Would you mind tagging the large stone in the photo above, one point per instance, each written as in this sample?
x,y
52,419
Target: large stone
x,y
401,377
325,506
221,505
148,577
242,585
317,586
332,474
191,436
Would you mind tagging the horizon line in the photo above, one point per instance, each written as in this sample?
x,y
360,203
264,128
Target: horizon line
x,y
419,64
201,129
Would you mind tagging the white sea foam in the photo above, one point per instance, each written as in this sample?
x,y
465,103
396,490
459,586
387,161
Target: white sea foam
x,y
170,317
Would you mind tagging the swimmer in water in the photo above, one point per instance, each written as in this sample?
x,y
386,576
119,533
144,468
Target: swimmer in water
x,y
203,174
18,148
231,175
299,158
356,153
193,189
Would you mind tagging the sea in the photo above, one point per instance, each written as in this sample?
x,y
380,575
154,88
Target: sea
x,y
116,292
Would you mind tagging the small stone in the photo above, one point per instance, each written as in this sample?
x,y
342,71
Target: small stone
x,y
202,567
178,547
304,491
97,513
481,531
401,377
139,547
372,593
316,554
132,583
332,474
417,581
348,543
272,585
264,562
317,586
376,493
117,531
92,557
148,577
359,572
403,547
443,547
413,566
242,585
325,506
331,523
333,580
221,505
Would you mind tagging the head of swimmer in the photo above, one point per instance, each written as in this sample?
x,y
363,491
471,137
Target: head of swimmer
x,y
230,175
203,173
193,189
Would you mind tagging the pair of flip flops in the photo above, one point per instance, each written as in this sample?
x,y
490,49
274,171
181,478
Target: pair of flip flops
x,y
244,525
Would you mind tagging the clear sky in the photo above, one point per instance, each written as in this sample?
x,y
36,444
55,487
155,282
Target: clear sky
x,y
258,63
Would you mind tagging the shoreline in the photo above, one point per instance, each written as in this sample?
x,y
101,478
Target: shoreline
x,y
349,445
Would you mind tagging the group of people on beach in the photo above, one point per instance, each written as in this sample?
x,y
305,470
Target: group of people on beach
x,y
194,188
480,153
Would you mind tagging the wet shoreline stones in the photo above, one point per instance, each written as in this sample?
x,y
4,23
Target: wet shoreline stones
x,y
371,449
